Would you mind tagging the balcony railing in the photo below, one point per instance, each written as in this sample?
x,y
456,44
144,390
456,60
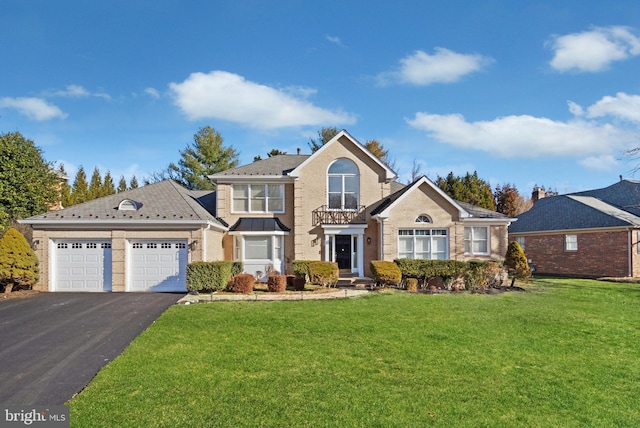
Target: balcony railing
x,y
326,215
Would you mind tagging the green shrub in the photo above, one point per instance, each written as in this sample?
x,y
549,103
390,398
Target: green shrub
x,y
516,262
425,269
323,273
386,273
277,283
242,283
236,268
301,268
412,284
209,276
18,263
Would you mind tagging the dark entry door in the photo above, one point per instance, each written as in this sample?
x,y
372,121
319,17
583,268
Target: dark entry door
x,y
343,251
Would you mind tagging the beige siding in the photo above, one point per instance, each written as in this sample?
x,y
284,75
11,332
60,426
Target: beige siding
x,y
119,240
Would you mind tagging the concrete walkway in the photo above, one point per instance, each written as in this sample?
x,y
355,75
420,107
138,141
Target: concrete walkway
x,y
339,293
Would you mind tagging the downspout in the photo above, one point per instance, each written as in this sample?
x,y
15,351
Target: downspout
x,y
630,250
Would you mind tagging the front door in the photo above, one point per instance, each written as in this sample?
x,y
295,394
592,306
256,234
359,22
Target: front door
x,y
343,251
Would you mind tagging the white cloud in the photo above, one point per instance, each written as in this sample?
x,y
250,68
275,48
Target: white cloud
x,y
74,91
228,96
444,66
622,106
524,136
33,108
600,163
152,92
594,50
575,108
334,39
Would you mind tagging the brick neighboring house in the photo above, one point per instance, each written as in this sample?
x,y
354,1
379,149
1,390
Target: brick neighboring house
x,y
339,204
586,234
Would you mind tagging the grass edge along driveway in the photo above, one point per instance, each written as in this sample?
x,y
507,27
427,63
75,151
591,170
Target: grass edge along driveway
x,y
565,353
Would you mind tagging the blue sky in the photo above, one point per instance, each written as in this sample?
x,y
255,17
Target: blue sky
x,y
523,92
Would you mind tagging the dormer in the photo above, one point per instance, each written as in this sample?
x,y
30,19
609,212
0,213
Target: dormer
x,y
129,205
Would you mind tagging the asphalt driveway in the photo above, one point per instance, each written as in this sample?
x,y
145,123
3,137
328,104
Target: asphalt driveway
x,y
53,344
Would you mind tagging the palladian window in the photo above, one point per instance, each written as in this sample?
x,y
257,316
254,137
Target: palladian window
x,y
343,183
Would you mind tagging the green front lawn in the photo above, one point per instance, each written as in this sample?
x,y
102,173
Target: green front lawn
x,y
565,353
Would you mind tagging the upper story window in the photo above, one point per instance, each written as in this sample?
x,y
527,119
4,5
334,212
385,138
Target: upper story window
x,y
423,218
343,185
476,240
257,198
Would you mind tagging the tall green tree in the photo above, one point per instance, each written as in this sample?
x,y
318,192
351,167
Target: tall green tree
x,y
207,155
470,189
122,185
133,183
18,262
28,183
95,185
108,188
324,136
65,189
80,187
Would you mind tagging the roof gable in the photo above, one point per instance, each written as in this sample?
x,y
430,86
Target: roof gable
x,y
389,173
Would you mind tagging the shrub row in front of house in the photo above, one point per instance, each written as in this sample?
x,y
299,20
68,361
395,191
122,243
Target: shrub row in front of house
x,y
444,274
211,276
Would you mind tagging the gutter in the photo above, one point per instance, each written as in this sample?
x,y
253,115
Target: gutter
x,y
128,224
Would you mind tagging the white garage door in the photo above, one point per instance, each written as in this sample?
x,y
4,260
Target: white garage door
x,y
82,265
158,265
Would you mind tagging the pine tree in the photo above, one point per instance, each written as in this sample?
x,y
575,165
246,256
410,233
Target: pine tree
x,y
80,188
18,263
133,184
324,136
470,189
516,262
95,185
65,190
122,185
108,188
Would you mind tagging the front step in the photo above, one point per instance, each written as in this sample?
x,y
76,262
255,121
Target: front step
x,y
355,281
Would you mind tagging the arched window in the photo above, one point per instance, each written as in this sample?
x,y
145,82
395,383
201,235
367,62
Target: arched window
x,y
423,218
343,185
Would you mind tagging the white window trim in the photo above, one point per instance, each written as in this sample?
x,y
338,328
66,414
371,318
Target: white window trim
x,y
266,198
521,241
342,192
568,240
471,252
431,236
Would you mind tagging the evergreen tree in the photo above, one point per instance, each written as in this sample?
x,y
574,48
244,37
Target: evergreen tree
x,y
470,189
108,188
122,185
80,188
18,262
95,185
133,184
65,189
28,183
206,156
516,262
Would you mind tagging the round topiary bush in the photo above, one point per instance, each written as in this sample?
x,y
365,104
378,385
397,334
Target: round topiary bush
x,y
242,283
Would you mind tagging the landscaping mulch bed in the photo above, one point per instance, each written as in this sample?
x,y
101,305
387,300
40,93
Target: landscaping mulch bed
x,y
20,294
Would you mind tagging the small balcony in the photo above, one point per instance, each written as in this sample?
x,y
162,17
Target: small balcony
x,y
326,215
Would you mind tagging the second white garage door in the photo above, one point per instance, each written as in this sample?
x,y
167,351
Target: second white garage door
x,y
158,265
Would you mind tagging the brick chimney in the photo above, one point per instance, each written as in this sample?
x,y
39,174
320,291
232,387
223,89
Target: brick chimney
x,y
537,194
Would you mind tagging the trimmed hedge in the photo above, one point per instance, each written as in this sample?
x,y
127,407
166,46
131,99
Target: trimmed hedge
x,y
242,283
386,273
18,263
453,274
301,267
323,273
210,276
425,269
277,283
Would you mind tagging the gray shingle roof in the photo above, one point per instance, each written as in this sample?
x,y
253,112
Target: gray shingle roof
x,y
259,224
162,201
613,206
278,165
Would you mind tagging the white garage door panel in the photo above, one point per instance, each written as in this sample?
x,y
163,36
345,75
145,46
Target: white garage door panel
x,y
82,266
158,265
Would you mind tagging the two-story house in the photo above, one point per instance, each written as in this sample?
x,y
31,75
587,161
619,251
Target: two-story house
x,y
339,204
